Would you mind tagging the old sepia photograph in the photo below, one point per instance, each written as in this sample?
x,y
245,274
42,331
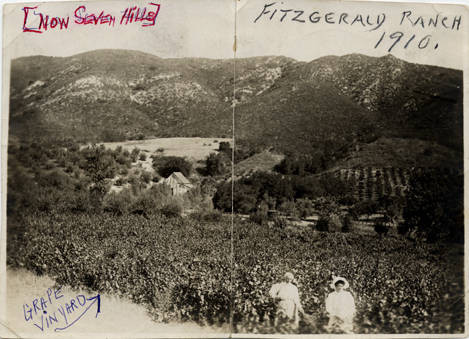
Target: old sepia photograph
x,y
202,168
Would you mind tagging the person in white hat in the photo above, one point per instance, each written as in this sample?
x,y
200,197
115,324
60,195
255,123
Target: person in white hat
x,y
340,306
288,300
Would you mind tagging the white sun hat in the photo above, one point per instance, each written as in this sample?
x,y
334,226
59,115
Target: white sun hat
x,y
336,279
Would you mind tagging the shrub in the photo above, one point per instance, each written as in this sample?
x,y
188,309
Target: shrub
x,y
171,210
280,222
213,216
207,216
134,154
143,156
79,201
322,224
304,207
123,160
381,228
55,178
347,225
145,204
224,147
217,164
259,218
145,177
98,163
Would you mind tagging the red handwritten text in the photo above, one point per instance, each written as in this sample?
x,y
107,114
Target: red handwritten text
x,y
137,14
44,22
82,18
37,22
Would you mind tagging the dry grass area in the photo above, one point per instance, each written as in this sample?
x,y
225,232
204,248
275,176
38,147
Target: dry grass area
x,y
264,161
195,148
118,317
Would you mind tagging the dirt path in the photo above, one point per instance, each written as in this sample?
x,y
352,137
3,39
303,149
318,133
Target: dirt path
x,y
117,318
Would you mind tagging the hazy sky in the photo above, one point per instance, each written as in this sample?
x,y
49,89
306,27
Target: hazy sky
x,y
205,28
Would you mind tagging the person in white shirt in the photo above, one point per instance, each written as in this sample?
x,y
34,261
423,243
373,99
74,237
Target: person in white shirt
x,y
340,306
288,300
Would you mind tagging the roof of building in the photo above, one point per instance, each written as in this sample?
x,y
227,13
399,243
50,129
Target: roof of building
x,y
178,178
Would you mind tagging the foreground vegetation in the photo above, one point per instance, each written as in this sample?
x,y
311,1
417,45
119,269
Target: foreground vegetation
x,y
180,269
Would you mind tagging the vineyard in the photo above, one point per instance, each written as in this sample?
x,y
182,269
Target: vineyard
x,y
371,183
180,269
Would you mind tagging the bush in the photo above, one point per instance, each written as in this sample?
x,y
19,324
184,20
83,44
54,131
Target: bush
x,y
381,228
224,147
134,154
323,224
123,160
171,210
118,203
217,164
145,177
98,163
280,223
145,203
259,218
143,156
207,216
347,225
165,166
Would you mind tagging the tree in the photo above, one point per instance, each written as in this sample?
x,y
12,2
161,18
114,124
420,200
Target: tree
x,y
434,205
165,166
244,197
216,164
98,163
224,147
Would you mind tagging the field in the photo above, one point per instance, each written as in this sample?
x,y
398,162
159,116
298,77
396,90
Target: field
x,y
179,269
195,148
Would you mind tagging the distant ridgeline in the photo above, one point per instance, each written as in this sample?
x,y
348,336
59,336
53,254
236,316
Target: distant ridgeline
x,y
330,104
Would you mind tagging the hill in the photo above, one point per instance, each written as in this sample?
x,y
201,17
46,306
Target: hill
x,y
264,162
339,100
330,105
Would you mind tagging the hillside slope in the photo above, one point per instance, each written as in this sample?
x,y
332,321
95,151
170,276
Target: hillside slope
x,y
329,105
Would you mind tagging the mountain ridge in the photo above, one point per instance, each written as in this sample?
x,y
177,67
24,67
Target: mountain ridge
x,y
328,104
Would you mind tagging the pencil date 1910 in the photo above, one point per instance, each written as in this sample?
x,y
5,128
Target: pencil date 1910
x,y
421,43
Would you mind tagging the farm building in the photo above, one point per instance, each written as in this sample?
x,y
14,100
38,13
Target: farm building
x,y
178,183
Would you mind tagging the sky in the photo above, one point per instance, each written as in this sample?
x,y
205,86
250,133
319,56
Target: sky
x,y
205,28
